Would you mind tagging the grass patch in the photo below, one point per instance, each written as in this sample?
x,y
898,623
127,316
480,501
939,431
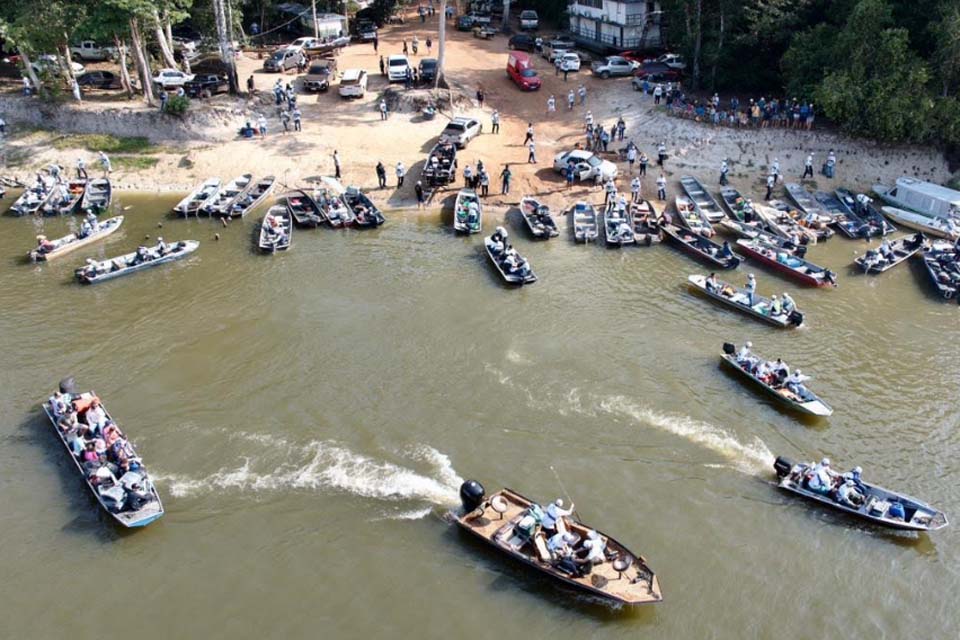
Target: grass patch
x,y
104,142
134,163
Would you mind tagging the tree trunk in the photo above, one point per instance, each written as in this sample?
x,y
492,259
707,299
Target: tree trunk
x,y
168,30
697,44
716,59
124,73
505,26
441,41
69,63
165,51
226,54
140,60
28,69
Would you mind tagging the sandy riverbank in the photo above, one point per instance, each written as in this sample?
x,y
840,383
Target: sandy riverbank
x,y
354,128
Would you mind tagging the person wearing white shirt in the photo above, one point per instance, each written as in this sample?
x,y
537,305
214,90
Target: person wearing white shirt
x,y
553,519
635,186
95,416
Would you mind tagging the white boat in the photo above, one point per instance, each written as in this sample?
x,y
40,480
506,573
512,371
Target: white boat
x,y
71,242
584,217
617,230
467,212
948,228
276,230
129,263
198,198
923,197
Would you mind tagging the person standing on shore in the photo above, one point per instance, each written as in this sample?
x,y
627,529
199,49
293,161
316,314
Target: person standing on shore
x,y
529,137
105,163
771,181
467,177
383,67
480,96
164,96
571,100
582,92
484,183
376,42
336,164
418,189
81,169
262,126
551,105
285,120
808,167
644,160
829,168
775,170
631,155
401,172
621,128
724,169
661,154
297,117
532,157
495,121
505,176
662,187
610,192
429,45
635,186
657,94
383,109
381,175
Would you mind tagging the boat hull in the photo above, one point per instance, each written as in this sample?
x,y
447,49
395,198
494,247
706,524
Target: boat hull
x,y
817,408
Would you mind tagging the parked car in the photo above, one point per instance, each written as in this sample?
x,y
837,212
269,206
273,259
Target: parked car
x,y
366,30
586,165
465,23
672,60
520,71
481,19
301,44
49,63
353,83
569,61
522,42
654,73
171,78
550,48
613,66
99,80
397,66
90,50
428,69
529,20
205,85
283,59
210,63
319,74
460,131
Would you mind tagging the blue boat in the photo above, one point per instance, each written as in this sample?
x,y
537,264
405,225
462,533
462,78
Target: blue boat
x,y
131,499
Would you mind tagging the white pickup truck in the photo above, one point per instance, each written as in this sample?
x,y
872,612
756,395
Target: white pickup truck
x,y
90,50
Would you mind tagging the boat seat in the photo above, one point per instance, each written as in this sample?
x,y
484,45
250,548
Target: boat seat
x,y
540,544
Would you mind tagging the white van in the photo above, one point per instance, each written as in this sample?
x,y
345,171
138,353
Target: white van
x,y
529,20
353,83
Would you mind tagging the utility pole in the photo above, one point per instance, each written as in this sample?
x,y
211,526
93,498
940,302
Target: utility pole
x,y
441,41
316,27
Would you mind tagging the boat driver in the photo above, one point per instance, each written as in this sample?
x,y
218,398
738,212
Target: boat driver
x,y
849,495
821,477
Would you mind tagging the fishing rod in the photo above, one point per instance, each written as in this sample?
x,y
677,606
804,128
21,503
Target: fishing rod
x,y
566,494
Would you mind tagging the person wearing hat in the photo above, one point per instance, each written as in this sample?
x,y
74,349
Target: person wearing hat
x,y
849,494
751,289
855,476
162,247
553,520
794,383
724,170
68,421
44,245
744,356
781,370
776,308
821,478
595,548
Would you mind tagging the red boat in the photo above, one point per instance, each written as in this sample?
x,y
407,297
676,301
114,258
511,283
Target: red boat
x,y
789,265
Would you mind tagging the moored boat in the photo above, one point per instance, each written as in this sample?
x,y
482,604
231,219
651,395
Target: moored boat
x,y
365,213
705,204
221,203
71,242
861,207
890,253
617,230
65,198
513,268
646,226
97,196
702,248
943,266
120,482
808,205
769,310
329,197
198,198
797,268
276,230
947,228
538,218
850,226
32,199
688,217
143,258
304,209
590,561
251,198
812,225
848,493
741,219
467,212
925,198
775,379
584,218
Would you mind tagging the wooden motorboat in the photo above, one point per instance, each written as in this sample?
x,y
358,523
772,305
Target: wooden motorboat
x,y
467,212
276,230
131,500
66,198
736,297
198,198
253,197
943,265
700,247
646,227
126,264
32,199
584,217
808,205
861,208
72,241
304,209
801,399
500,520
705,203
797,268
877,504
221,204
519,272
813,226
947,228
741,218
688,217
890,254
98,196
617,230
365,213
849,225
538,218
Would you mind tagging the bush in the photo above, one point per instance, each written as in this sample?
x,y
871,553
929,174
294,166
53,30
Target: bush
x,y
178,105
104,142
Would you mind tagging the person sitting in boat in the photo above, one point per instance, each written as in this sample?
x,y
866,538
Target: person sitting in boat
x,y
473,213
849,495
744,357
764,373
776,307
855,474
68,421
725,251
780,370
789,306
559,544
712,283
820,478
553,520
162,248
138,494
59,402
138,257
886,251
89,453
85,229
44,245
95,416
594,549
794,382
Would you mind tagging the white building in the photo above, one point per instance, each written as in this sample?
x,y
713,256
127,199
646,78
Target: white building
x,y
615,25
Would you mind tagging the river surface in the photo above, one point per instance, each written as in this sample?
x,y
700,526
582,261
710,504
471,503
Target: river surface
x,y
309,416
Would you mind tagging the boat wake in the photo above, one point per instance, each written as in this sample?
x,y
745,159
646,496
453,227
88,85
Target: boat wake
x,y
328,466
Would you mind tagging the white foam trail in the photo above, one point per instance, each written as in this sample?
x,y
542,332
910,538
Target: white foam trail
x,y
415,514
325,465
748,458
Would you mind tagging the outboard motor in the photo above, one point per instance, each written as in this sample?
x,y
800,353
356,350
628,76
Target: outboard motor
x,y
801,251
783,466
471,495
68,385
729,348
796,318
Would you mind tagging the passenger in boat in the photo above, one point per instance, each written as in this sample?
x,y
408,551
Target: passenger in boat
x,y
886,251
780,370
764,373
849,495
594,549
59,402
68,421
725,251
820,478
85,229
559,544
138,257
122,451
712,284
95,416
138,495
554,518
162,248
794,383
751,289
44,245
855,477
89,453
789,306
744,356
776,308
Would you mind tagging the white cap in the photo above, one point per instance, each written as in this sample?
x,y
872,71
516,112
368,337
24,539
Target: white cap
x,y
751,277
825,461
558,502
748,344
798,372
